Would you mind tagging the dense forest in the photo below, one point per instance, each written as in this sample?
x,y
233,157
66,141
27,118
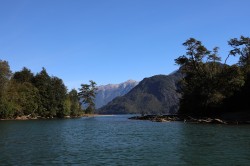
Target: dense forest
x,y
211,87
24,94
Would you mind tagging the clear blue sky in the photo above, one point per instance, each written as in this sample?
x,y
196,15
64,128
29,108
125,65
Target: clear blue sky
x,y
111,41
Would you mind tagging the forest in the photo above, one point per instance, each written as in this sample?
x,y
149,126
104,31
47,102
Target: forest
x,y
24,94
211,87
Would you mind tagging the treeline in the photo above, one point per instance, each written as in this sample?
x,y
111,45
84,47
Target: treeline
x,y
211,87
24,94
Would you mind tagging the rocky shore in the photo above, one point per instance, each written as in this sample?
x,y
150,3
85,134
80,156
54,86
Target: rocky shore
x,y
189,119
30,117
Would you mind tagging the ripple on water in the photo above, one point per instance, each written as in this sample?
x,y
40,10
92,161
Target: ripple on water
x,y
118,141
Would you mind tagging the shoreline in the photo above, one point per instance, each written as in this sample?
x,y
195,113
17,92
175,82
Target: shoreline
x,y
189,119
153,118
28,117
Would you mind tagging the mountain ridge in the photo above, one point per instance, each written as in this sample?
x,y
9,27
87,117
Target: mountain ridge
x,y
154,95
106,93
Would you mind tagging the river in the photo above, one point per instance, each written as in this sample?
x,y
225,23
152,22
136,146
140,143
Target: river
x,y
115,140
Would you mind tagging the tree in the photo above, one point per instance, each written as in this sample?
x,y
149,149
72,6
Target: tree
x,y
58,96
39,95
241,47
75,107
25,75
5,74
87,94
6,109
42,82
240,100
24,98
194,83
53,94
193,60
207,82
66,108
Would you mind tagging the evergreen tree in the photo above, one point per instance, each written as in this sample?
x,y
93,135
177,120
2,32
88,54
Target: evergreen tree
x,y
42,82
5,74
87,95
6,109
75,109
52,93
25,75
58,96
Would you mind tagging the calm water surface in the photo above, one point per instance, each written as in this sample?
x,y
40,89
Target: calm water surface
x,y
115,140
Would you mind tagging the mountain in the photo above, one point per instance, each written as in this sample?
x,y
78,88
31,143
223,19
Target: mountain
x,y
106,93
155,95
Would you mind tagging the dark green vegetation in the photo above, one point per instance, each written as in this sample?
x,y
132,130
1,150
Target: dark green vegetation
x,y
154,95
211,88
87,95
24,94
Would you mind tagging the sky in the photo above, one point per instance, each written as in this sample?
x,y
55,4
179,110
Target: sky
x,y
111,41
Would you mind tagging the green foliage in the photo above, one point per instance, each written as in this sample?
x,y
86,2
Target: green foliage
x,y
66,108
24,98
241,47
52,93
24,94
7,110
25,75
75,109
5,74
87,93
240,100
207,82
58,95
42,82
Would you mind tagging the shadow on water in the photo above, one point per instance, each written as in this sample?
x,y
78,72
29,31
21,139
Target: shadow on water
x,y
215,144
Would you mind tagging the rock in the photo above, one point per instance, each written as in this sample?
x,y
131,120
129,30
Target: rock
x,y
219,121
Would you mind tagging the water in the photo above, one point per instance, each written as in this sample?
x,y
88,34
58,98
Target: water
x,y
115,140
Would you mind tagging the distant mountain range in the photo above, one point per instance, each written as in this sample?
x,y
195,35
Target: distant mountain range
x,y
155,95
107,93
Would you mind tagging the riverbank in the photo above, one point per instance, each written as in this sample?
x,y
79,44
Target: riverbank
x,y
29,117
189,119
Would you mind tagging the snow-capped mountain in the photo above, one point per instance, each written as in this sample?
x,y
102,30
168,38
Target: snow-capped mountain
x,y
107,93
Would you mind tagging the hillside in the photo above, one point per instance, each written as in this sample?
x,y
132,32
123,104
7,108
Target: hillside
x,y
154,95
106,93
